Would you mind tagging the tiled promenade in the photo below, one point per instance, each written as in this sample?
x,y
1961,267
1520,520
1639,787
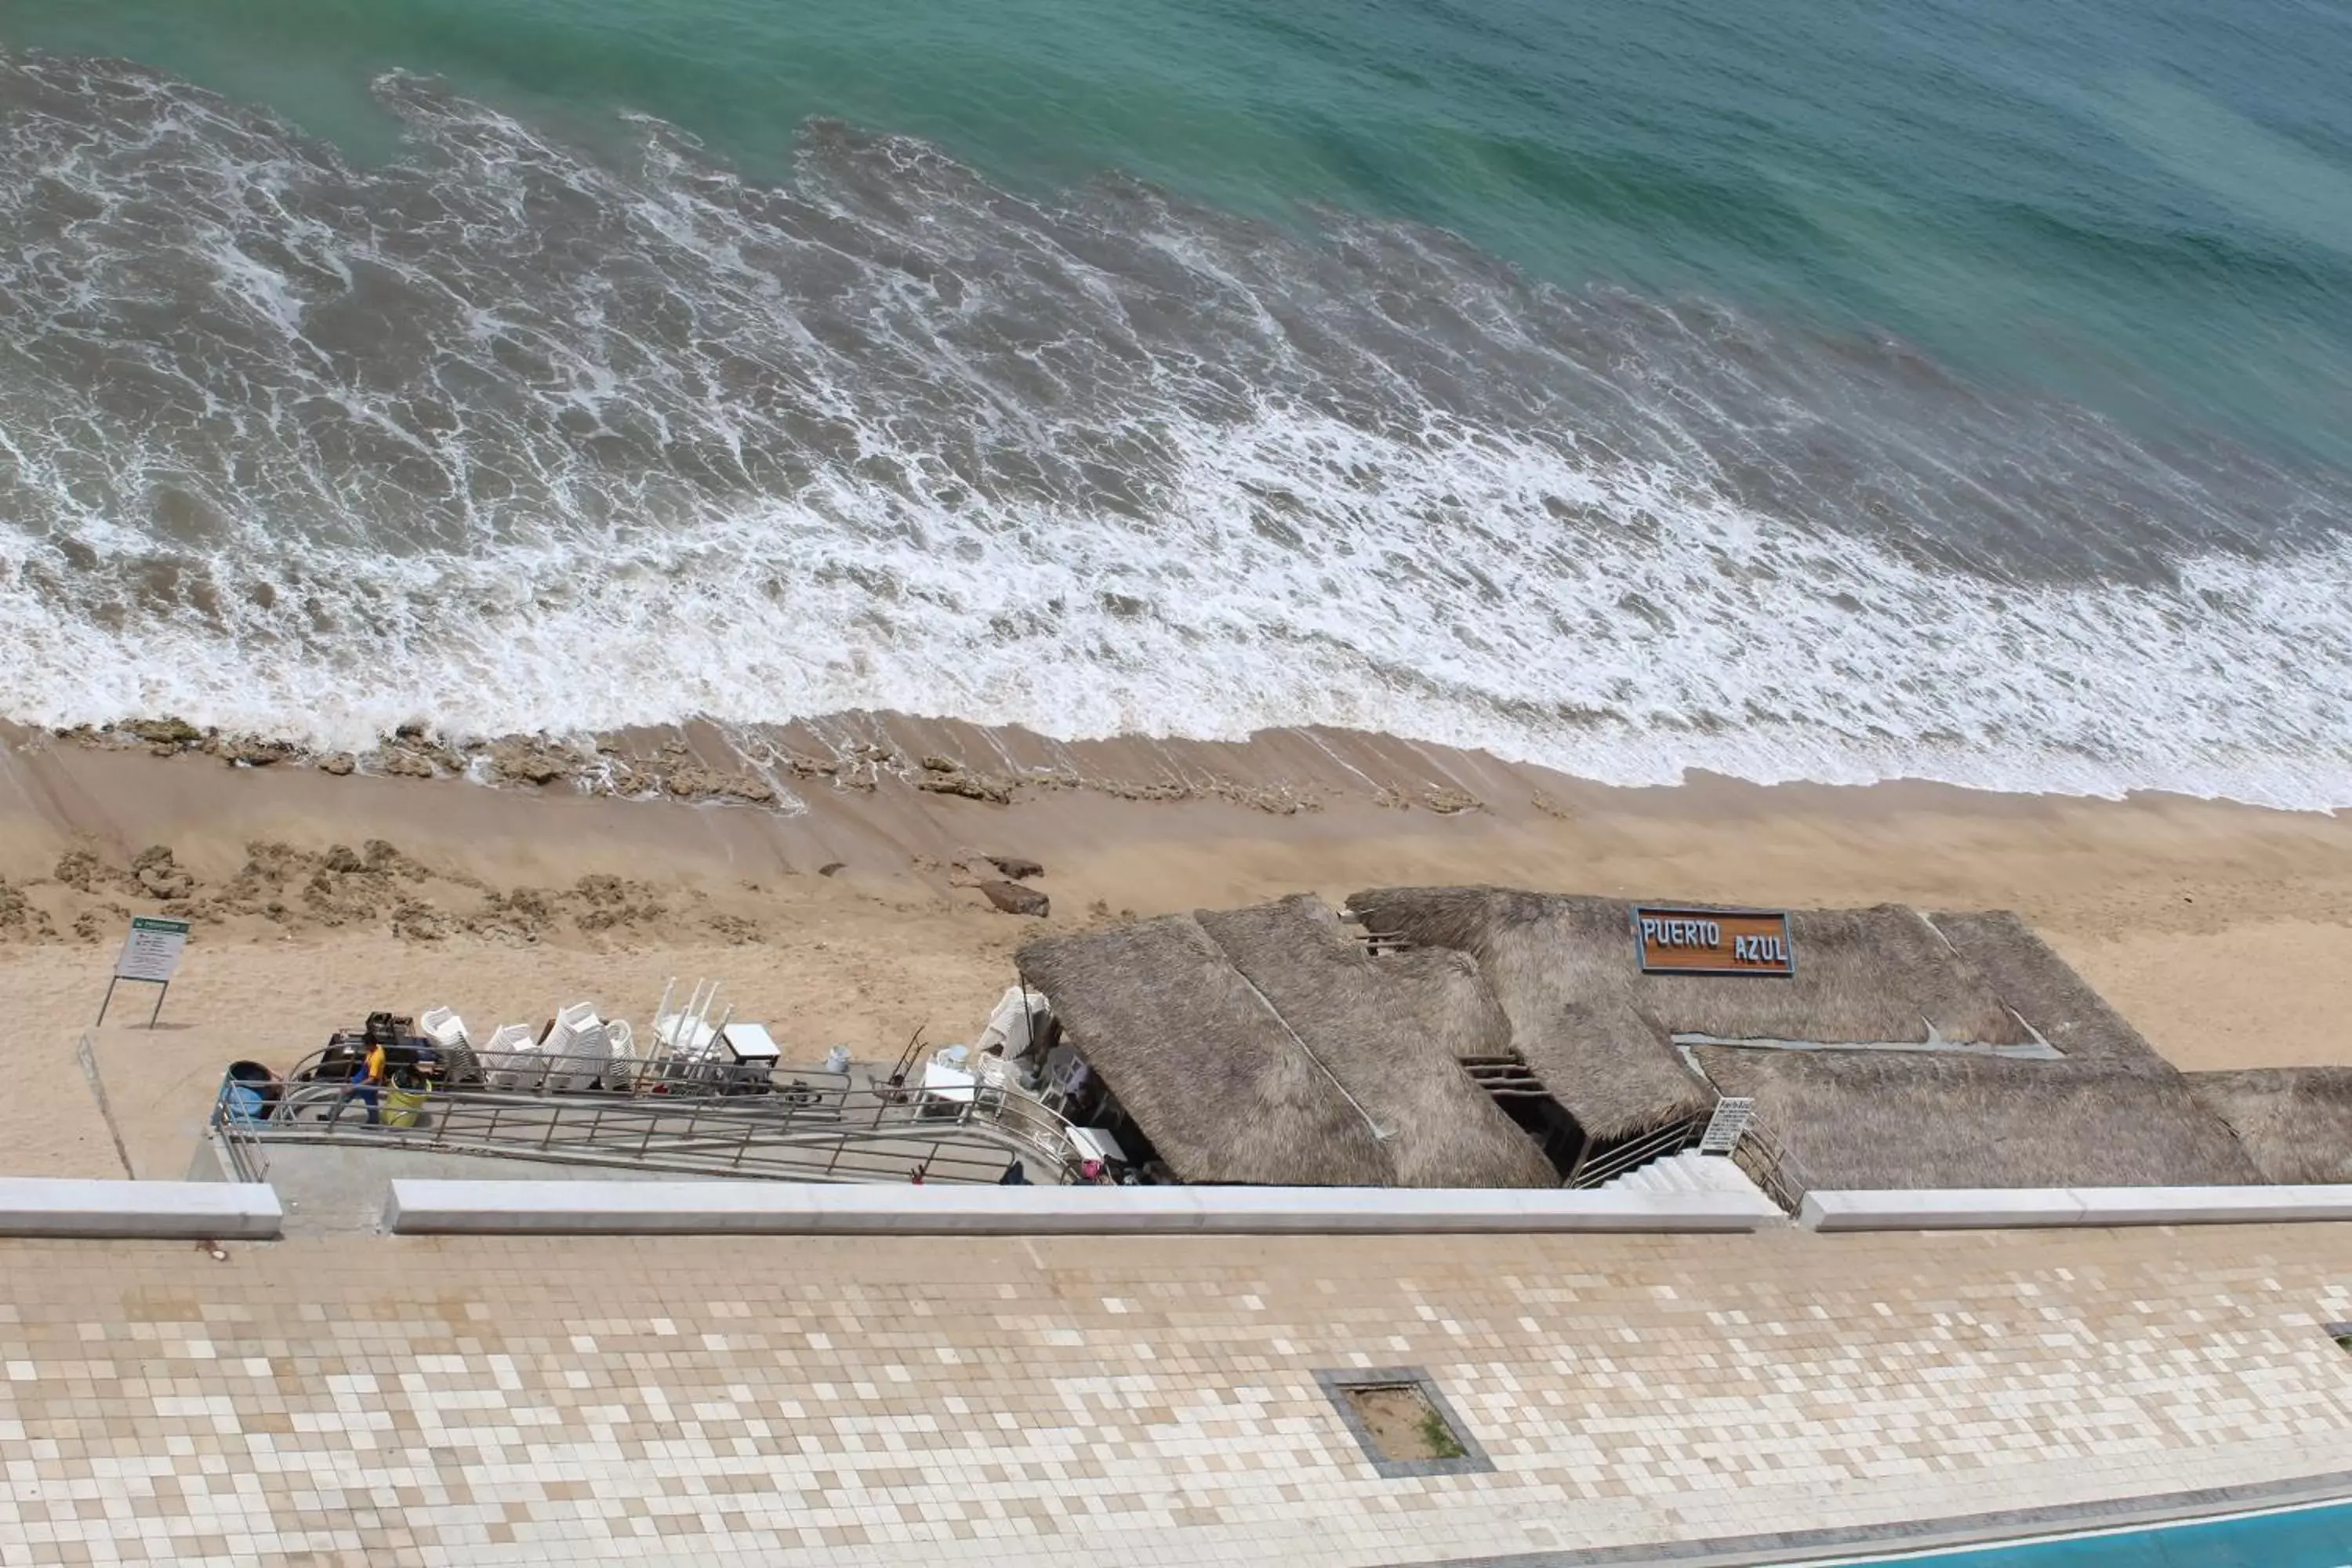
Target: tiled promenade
x,y
388,1401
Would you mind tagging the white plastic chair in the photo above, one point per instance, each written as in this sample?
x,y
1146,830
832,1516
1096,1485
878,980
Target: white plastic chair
x,y
577,1048
621,1046
1066,1075
444,1028
510,1057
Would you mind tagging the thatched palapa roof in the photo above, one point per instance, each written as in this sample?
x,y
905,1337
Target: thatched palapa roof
x,y
1443,997
1554,964
1362,1017
2295,1124
1921,1120
1266,1045
2046,992
1601,1033
1881,975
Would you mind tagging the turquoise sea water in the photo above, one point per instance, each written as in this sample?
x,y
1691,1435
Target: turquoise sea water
x,y
2147,206
1521,373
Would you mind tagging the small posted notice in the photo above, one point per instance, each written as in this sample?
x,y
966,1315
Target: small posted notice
x,y
152,951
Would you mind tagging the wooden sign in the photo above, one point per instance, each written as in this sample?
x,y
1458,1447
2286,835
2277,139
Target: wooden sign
x,y
1714,942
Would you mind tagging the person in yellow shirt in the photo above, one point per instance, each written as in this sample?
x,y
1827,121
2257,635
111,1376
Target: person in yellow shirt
x,y
367,1086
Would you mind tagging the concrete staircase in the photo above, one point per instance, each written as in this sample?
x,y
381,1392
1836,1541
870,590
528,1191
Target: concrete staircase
x,y
1688,1172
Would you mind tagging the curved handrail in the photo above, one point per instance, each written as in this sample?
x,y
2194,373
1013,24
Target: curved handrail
x,y
1639,1151
810,1118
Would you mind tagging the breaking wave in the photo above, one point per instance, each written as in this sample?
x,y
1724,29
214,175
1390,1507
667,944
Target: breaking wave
x,y
506,438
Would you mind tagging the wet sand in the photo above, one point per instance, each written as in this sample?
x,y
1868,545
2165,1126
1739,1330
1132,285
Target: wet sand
x,y
843,912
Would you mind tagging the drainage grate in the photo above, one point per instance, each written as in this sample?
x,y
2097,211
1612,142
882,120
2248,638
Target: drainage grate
x,y
1402,1422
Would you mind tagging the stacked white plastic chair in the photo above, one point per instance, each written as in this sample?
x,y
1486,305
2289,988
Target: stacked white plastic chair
x,y
578,1050
444,1028
512,1058
621,1044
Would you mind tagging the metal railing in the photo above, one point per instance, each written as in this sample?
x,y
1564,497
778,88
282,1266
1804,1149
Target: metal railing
x,y
1756,1152
247,1160
1770,1167
1616,1161
812,1127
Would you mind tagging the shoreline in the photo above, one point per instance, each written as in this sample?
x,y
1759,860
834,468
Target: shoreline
x,y
1282,770
893,795
775,764
851,916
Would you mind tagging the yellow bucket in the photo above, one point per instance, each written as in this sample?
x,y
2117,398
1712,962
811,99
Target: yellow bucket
x,y
401,1106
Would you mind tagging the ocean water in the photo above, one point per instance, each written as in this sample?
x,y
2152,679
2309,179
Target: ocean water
x,y
1945,388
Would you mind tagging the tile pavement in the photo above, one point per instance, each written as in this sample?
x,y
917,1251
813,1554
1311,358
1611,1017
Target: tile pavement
x,y
714,1401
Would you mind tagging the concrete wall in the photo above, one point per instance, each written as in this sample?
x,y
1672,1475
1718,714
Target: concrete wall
x,y
783,1208
1996,1208
72,1207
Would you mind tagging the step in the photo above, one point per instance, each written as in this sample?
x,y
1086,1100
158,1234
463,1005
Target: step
x,y
621,1208
203,1211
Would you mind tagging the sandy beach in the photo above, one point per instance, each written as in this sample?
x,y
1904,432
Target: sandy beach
x,y
844,912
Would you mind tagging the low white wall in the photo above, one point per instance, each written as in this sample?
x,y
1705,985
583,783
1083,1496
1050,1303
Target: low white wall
x,y
2016,1207
202,1211
784,1207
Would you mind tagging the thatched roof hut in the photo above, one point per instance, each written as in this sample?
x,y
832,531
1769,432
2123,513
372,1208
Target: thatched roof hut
x,y
1556,965
2044,990
1877,976
1266,1046
2295,1124
1361,1016
1920,1121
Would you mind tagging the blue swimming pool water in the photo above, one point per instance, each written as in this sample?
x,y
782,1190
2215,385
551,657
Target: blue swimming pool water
x,y
2315,1537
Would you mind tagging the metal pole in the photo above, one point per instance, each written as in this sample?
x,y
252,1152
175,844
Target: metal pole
x,y
102,1006
158,1013
1028,1019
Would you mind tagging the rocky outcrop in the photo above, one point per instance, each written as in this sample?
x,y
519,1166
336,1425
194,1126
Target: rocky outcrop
x,y
19,920
532,763
158,876
944,775
692,781
252,752
1013,898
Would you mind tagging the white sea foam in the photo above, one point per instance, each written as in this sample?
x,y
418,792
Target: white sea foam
x,y
506,441
1758,651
